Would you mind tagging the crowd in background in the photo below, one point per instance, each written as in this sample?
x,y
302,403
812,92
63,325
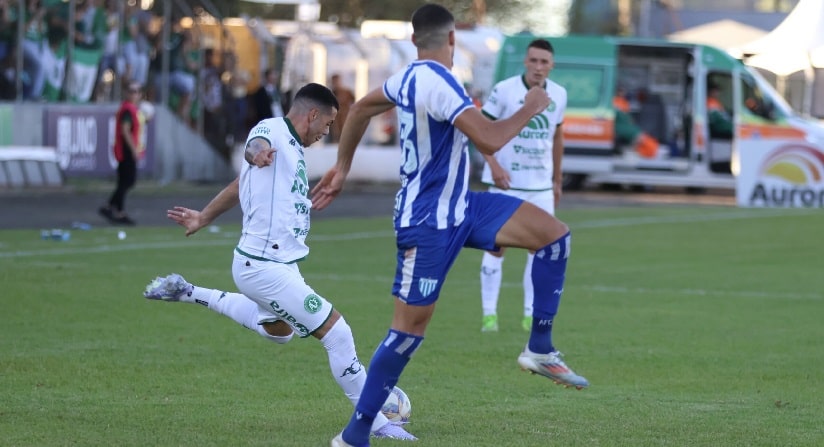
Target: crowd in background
x,y
116,43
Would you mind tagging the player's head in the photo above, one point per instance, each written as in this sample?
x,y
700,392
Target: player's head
x,y
313,111
433,27
539,61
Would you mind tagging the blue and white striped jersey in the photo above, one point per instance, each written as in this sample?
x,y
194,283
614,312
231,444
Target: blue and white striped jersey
x,y
435,161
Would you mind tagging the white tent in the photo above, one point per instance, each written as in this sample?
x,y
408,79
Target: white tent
x,y
796,44
787,48
725,34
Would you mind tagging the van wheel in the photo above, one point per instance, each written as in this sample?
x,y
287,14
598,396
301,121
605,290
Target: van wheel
x,y
573,182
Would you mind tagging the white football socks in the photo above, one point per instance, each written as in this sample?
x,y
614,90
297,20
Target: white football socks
x,y
346,368
491,274
529,291
235,306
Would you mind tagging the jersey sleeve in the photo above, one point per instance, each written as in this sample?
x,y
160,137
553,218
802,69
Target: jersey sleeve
x,y
262,130
448,97
494,105
562,104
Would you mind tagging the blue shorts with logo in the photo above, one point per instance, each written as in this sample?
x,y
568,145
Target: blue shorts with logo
x,y
425,254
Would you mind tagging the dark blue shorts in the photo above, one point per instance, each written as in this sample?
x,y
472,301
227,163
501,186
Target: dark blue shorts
x,y
425,254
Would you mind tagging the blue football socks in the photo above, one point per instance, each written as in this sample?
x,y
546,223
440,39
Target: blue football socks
x,y
385,368
548,273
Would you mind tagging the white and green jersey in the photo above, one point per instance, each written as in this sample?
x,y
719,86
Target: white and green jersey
x,y
527,157
275,199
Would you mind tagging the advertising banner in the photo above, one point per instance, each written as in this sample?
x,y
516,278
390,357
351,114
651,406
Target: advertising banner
x,y
781,174
84,139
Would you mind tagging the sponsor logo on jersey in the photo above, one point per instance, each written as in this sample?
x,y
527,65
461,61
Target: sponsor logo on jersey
x,y
261,131
538,128
301,183
289,318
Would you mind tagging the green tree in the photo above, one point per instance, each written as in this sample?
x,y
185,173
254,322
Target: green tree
x,y
353,12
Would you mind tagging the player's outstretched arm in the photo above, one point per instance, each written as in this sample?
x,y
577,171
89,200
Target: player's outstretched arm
x,y
194,220
489,136
357,120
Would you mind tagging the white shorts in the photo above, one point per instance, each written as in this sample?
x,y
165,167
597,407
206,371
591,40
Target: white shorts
x,y
281,294
544,200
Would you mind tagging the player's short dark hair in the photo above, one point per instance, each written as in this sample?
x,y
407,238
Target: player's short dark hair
x,y
431,24
541,44
318,95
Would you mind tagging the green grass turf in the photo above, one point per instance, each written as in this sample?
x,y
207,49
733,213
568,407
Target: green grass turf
x,y
697,326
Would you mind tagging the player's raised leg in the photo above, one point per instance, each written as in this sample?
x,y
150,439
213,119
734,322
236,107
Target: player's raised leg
x,y
534,229
233,305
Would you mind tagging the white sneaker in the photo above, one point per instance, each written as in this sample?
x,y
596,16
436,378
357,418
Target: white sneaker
x,y
170,288
551,366
394,431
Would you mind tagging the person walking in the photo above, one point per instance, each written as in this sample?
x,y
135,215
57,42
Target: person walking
x,y
128,149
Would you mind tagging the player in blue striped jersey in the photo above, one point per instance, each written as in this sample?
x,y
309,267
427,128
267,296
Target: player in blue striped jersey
x,y
436,214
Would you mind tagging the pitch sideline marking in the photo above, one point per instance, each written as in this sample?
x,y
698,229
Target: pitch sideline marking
x,y
594,224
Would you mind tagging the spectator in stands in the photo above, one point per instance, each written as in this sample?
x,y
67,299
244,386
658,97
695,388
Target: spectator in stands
x,y
135,44
267,98
214,122
90,24
6,29
127,150
7,35
718,118
182,80
345,98
34,39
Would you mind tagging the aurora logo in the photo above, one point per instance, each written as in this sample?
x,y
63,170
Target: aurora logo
x,y
537,128
797,165
791,176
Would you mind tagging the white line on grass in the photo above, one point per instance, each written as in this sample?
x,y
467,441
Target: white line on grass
x,y
229,237
378,279
176,244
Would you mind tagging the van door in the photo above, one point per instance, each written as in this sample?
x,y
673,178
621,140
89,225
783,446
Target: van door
x,y
657,84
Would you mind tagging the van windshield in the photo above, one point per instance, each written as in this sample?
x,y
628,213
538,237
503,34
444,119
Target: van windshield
x,y
769,92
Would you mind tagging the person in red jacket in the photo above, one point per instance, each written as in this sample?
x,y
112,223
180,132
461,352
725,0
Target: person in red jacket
x,y
127,151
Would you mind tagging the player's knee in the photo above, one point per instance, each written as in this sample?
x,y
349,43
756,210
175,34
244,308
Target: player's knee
x,y
277,331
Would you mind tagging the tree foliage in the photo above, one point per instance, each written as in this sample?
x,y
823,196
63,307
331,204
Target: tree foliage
x,y
353,12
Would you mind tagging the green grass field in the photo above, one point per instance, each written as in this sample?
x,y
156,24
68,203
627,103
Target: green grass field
x,y
696,326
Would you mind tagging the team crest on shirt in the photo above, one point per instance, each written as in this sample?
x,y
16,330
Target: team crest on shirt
x,y
427,285
312,303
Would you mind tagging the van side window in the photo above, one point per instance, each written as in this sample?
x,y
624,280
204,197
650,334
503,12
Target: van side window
x,y
756,104
719,110
584,84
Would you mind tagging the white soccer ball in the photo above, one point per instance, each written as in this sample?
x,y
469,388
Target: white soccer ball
x,y
397,407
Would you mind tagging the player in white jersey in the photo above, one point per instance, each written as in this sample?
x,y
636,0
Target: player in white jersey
x,y
275,301
436,214
527,167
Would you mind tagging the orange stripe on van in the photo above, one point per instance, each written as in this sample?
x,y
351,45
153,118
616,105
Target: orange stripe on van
x,y
754,131
580,128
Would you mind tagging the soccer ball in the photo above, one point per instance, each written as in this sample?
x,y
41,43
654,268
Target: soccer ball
x,y
397,407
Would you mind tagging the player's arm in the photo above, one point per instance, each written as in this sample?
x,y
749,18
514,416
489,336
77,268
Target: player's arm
x,y
557,155
194,220
489,136
357,120
259,152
